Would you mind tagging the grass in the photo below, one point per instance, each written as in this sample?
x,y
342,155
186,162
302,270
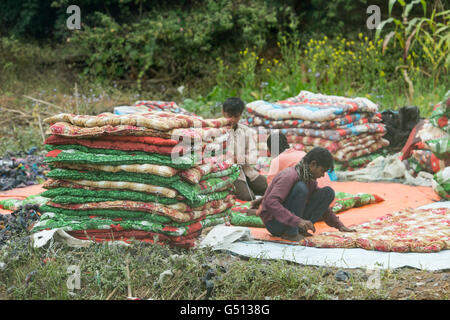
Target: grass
x,y
103,270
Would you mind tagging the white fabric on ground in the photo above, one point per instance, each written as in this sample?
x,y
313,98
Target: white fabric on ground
x,y
343,258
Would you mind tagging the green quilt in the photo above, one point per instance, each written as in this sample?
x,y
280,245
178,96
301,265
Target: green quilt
x,y
53,221
191,192
344,201
84,155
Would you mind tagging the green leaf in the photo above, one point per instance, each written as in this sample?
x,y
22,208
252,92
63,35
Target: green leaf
x,y
391,4
410,6
424,6
411,24
381,26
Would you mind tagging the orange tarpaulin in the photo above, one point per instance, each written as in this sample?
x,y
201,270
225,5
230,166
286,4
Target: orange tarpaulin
x,y
20,194
397,196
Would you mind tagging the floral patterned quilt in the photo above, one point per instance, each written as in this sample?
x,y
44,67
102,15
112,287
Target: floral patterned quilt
x,y
409,230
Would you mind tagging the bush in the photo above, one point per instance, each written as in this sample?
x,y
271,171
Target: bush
x,y
167,41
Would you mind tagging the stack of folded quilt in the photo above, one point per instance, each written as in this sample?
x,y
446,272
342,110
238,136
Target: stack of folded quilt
x,y
350,128
118,177
428,147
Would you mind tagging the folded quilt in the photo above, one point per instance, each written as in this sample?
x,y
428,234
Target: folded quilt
x,y
65,192
345,201
244,220
360,162
440,147
162,171
348,104
69,130
133,186
338,134
441,113
421,133
61,191
351,152
121,145
348,120
427,161
443,178
113,214
50,220
68,174
55,140
14,204
167,187
133,235
311,107
409,230
162,121
195,174
134,209
84,155
333,146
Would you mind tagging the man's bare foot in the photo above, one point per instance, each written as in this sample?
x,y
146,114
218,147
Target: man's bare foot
x,y
290,237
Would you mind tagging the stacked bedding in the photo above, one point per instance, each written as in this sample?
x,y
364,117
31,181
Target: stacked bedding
x,y
428,148
117,177
350,128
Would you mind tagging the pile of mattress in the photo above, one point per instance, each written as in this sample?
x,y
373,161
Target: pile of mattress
x,y
137,176
350,128
428,148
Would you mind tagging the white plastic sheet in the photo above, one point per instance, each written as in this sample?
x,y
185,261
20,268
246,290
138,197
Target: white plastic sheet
x,y
342,258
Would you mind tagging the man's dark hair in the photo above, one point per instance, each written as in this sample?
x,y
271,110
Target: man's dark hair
x,y
233,106
322,156
282,143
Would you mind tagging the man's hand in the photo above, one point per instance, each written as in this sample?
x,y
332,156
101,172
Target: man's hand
x,y
345,229
306,225
255,203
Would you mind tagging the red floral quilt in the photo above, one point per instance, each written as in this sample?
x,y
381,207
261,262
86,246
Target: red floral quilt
x,y
409,230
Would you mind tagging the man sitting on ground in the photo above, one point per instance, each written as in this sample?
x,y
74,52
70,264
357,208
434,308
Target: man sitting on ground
x,y
250,182
293,202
